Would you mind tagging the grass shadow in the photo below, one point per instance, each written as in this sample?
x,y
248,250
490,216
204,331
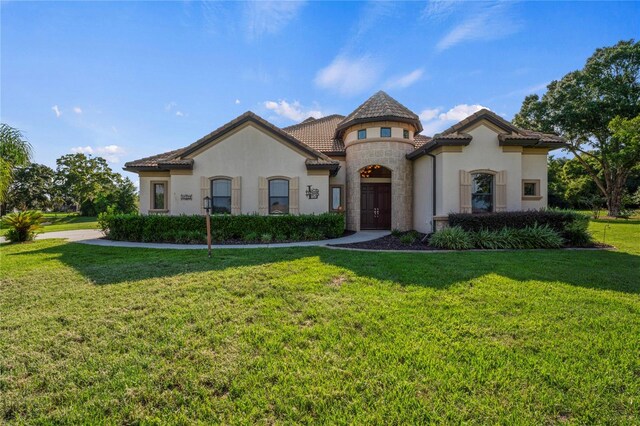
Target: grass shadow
x,y
605,270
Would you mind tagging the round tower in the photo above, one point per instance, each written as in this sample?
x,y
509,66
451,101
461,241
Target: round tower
x,y
377,137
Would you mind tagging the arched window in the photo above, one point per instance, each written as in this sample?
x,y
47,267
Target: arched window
x,y
221,196
482,193
278,196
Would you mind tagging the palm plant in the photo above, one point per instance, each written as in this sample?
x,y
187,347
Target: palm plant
x,y
14,151
23,226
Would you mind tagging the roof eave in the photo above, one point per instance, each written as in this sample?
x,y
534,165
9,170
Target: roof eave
x,y
434,144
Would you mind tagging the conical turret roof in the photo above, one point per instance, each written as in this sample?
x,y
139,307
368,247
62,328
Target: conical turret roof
x,y
380,107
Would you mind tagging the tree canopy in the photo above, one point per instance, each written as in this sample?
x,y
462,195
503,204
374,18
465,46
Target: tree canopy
x,y
596,109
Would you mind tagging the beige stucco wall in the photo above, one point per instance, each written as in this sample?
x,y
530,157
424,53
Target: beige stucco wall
x,y
392,155
534,167
373,130
250,153
145,187
422,194
482,153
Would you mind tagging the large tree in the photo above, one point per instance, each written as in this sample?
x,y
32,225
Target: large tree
x,y
595,110
32,188
15,151
90,184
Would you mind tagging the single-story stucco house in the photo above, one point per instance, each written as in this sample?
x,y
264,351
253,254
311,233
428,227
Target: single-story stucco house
x,y
373,165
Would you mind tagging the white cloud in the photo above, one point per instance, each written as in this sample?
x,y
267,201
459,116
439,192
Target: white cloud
x,y
406,80
440,9
82,150
429,114
179,113
460,112
237,102
293,111
57,111
269,17
489,23
111,153
349,76
77,110
170,106
435,120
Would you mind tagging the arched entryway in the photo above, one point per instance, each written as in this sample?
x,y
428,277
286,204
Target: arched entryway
x,y
375,197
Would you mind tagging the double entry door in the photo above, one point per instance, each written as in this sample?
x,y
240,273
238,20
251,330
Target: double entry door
x,y
375,206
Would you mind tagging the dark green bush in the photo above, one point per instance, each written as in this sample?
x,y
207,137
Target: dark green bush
x,y
409,237
513,238
192,229
533,237
452,238
572,226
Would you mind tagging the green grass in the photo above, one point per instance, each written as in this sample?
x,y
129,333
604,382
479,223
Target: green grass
x,y
310,335
65,222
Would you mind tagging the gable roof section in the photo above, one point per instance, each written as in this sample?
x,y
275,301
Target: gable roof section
x,y
512,135
379,107
318,133
178,159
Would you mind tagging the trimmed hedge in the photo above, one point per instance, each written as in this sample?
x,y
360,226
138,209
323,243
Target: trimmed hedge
x,y
249,228
571,226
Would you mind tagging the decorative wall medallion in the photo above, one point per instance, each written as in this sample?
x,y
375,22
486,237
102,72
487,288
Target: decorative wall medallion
x,y
312,193
186,197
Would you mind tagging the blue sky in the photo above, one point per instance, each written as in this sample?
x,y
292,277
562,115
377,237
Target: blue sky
x,y
129,79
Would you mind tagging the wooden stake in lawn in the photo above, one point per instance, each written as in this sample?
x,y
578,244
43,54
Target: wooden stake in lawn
x,y
206,203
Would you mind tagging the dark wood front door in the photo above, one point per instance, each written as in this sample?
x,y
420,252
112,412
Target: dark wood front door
x,y
375,206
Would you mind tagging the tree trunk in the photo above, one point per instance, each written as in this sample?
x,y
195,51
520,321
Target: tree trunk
x,y
614,201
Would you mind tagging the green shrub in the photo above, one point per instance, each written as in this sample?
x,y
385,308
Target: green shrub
x,y
512,238
571,225
23,226
281,238
452,238
250,237
266,238
577,233
396,232
409,237
163,228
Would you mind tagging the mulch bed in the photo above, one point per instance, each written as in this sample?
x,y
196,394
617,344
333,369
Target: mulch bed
x,y
390,242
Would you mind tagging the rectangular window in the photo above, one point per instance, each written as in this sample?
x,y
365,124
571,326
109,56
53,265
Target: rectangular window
x,y
362,134
158,200
337,203
221,196
278,196
482,193
530,189
385,132
405,134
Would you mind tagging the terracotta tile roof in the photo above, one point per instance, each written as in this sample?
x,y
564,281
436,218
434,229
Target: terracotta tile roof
x,y
380,106
318,133
419,140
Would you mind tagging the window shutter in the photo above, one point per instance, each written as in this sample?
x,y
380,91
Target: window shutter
x,y
236,187
294,202
465,192
204,191
263,196
501,191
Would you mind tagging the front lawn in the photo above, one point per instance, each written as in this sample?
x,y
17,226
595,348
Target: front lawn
x,y
64,222
94,334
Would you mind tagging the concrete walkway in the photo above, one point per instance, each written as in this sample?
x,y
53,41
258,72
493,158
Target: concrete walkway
x,y
93,237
